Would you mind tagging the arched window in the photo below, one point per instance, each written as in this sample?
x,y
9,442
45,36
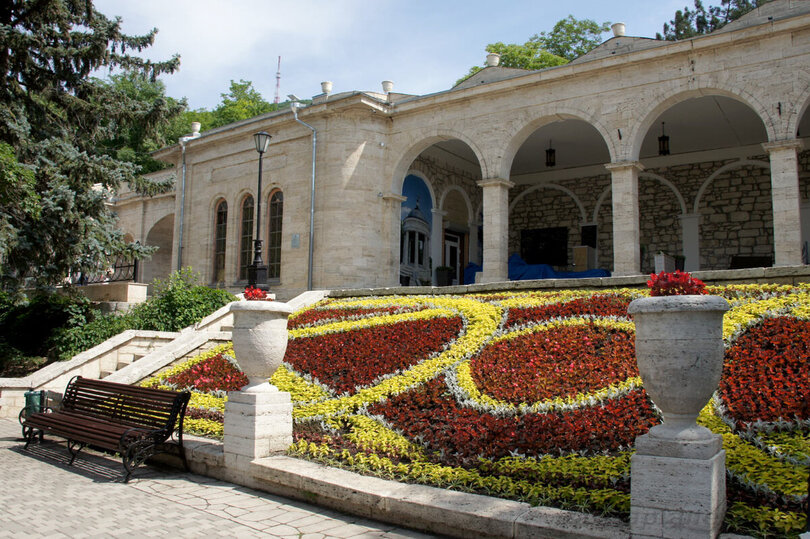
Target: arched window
x,y
220,230
246,242
274,235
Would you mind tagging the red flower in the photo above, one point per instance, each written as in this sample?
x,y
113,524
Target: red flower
x,y
767,372
349,360
555,363
253,294
675,284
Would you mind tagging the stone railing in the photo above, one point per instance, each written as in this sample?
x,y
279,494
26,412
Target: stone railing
x,y
97,362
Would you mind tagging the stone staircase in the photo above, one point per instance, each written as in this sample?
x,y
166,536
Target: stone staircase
x,y
130,356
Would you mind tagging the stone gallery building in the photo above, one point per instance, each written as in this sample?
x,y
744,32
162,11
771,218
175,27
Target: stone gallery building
x,y
693,148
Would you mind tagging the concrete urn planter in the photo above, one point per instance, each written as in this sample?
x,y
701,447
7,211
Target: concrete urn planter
x,y
679,350
259,339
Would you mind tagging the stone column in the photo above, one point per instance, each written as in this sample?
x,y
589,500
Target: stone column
x,y
257,425
690,240
436,242
626,234
393,208
474,255
786,199
496,229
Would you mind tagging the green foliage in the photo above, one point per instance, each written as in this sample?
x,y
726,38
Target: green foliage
x,y
59,120
27,326
569,39
689,23
241,102
178,302
133,143
19,200
68,342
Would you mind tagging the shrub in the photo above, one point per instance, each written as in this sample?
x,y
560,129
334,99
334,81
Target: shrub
x,y
178,302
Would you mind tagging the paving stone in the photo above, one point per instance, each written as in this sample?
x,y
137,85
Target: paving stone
x,y
89,499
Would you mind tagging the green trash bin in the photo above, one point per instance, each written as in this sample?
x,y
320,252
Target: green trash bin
x,y
34,402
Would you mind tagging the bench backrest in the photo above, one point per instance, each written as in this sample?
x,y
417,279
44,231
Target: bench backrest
x,y
125,404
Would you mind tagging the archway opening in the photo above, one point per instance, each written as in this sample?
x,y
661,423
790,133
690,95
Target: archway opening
x,y
709,150
160,236
440,189
559,174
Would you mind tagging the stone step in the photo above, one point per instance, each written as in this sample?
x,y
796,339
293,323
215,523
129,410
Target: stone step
x,y
104,374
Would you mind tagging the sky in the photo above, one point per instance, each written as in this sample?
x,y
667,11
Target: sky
x,y
422,46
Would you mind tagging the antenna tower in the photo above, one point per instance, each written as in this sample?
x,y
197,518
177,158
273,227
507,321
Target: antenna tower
x,y
278,80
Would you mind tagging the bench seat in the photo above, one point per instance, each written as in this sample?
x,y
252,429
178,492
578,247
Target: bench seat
x,y
138,422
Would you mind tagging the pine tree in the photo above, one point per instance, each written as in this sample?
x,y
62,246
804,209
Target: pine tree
x,y
56,121
689,23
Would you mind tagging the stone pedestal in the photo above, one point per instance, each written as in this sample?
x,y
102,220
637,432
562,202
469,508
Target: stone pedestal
x,y
678,489
258,424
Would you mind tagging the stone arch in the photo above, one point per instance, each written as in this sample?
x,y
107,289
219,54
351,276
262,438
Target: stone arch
x,y
606,192
425,141
160,236
428,183
669,184
518,136
464,197
804,104
571,194
639,130
721,170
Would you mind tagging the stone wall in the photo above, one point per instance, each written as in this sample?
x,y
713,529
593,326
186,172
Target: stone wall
x,y
735,209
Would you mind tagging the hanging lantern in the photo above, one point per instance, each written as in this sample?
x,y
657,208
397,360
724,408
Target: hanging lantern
x,y
551,155
663,142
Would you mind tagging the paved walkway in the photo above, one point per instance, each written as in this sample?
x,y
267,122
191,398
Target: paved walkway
x,y
41,496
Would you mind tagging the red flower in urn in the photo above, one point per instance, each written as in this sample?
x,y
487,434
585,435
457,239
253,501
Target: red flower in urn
x,y
675,284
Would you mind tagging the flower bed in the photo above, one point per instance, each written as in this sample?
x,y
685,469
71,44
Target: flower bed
x,y
532,396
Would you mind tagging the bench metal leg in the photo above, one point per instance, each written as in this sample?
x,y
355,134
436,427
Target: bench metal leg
x,y
30,434
72,445
136,454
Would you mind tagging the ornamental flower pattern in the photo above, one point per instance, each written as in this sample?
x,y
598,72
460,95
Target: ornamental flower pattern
x,y
533,395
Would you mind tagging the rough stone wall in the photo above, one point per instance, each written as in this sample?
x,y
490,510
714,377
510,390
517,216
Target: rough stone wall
x,y
442,176
804,175
737,218
735,207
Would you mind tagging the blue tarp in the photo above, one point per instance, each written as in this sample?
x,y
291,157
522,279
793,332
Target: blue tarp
x,y
519,270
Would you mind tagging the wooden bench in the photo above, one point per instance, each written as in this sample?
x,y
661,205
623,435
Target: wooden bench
x,y
136,422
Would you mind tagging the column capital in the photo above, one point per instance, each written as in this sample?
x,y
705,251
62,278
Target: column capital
x,y
393,197
440,213
619,165
499,182
787,144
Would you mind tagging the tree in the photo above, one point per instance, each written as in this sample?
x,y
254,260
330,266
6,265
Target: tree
x,y
59,119
135,142
241,102
569,39
689,23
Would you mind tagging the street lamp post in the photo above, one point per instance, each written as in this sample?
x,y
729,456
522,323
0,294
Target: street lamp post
x,y
257,271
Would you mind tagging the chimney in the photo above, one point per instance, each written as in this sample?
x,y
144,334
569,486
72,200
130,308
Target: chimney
x,y
195,129
493,59
618,29
326,87
387,86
